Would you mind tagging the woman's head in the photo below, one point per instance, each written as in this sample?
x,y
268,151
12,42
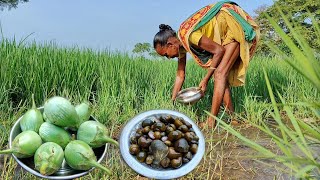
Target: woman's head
x,y
165,42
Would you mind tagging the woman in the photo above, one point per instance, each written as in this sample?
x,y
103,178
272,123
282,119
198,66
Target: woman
x,y
222,39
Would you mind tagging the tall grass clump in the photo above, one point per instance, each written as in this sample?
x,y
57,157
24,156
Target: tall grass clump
x,y
298,135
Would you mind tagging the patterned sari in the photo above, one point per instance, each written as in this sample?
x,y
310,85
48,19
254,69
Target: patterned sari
x,y
244,29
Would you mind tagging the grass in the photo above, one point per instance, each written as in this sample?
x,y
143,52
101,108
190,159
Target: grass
x,y
119,86
298,138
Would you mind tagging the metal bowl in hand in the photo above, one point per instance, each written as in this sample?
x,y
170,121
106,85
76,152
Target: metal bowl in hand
x,y
189,95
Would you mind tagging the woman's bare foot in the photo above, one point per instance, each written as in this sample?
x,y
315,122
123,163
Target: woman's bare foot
x,y
202,125
235,122
210,123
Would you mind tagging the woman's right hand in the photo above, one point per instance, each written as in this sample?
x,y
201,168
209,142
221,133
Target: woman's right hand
x,y
173,97
203,85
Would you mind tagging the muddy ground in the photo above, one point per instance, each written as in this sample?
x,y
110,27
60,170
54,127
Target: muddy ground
x,y
228,158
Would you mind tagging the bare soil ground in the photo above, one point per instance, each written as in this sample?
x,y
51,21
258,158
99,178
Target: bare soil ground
x,y
228,158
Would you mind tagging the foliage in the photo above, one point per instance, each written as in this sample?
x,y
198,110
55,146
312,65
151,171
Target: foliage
x,y
299,13
119,87
10,3
141,48
298,139
145,50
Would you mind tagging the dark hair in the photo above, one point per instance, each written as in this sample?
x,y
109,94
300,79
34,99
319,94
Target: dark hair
x,y
163,35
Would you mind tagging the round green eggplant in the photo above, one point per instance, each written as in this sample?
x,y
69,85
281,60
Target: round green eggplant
x,y
32,119
80,156
59,111
52,133
84,111
48,158
95,134
24,145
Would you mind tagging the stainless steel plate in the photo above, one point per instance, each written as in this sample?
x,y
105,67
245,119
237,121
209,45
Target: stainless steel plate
x,y
65,172
146,170
189,95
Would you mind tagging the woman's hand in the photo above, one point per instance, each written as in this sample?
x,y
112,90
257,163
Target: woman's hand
x,y
173,97
203,85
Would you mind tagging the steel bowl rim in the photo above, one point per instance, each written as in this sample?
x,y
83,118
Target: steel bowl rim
x,y
150,172
34,172
189,99
197,90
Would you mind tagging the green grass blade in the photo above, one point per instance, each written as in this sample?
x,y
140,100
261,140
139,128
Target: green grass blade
x,y
284,130
299,140
267,153
310,129
305,170
308,67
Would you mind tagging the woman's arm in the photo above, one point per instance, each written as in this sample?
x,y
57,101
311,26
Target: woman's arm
x,y
217,51
179,77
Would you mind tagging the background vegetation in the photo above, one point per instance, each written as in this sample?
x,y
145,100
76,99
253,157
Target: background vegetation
x,y
10,3
280,98
119,86
299,13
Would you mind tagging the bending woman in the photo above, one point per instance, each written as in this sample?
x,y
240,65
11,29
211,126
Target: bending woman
x,y
221,38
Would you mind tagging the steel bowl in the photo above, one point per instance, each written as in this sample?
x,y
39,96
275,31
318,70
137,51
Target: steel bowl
x,y
143,168
189,95
65,172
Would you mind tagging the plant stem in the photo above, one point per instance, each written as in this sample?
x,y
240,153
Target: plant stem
x,y
33,103
112,141
96,164
7,151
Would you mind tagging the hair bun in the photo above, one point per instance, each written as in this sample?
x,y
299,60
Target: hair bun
x,y
164,27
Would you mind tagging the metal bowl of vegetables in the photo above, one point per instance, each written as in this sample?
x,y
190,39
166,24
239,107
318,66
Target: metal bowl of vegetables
x,y
167,150
65,172
189,95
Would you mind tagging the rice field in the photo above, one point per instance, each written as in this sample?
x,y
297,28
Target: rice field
x,y
119,86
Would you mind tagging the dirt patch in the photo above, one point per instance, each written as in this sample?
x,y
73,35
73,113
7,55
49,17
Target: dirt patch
x,y
228,158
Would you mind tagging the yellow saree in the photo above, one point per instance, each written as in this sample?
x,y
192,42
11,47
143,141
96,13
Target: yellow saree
x,y
247,47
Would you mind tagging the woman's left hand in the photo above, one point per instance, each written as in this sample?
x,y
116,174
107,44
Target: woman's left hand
x,y
203,85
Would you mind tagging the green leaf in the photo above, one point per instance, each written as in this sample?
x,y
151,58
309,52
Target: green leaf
x,y
304,171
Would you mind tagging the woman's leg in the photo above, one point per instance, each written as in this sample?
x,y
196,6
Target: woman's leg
x,y
231,54
227,100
